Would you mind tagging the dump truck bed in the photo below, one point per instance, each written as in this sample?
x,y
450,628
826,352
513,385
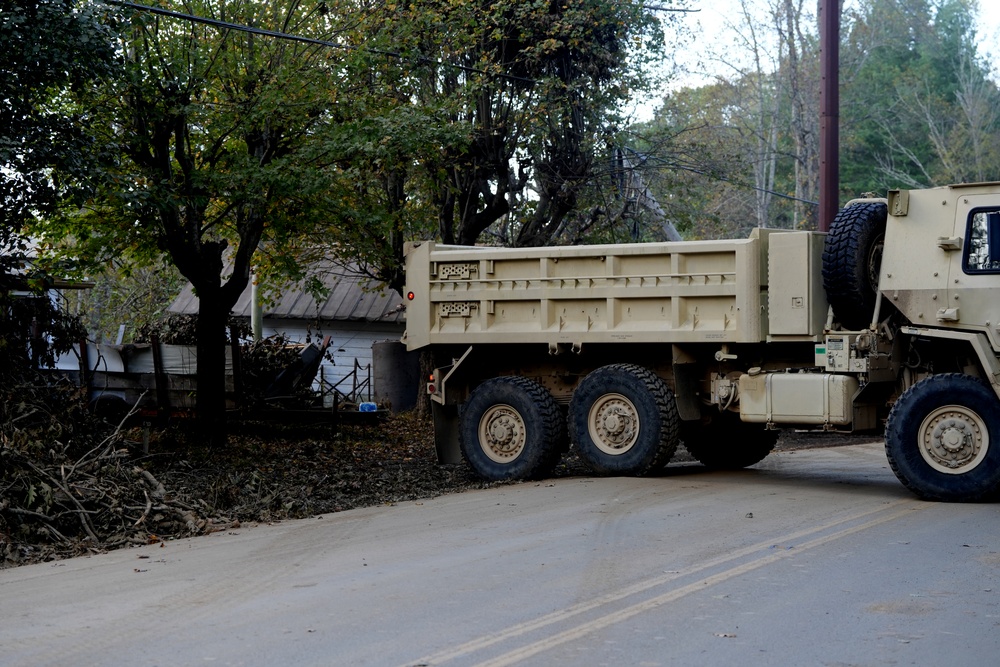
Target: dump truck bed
x,y
693,291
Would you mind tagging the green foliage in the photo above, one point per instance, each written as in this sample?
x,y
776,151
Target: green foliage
x,y
920,104
32,329
49,47
918,108
506,99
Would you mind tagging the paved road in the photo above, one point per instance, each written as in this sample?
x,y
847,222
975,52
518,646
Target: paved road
x,y
815,557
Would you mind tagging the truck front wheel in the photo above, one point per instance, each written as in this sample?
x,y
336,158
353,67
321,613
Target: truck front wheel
x,y
511,428
624,420
942,438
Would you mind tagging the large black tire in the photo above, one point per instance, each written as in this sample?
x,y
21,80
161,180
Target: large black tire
x,y
942,438
726,443
852,258
511,428
623,420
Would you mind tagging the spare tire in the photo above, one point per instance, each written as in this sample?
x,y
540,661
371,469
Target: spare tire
x,y
852,258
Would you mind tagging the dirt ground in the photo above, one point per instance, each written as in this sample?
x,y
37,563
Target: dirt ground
x,y
268,473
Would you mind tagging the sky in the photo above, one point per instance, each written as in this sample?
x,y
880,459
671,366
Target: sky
x,y
709,27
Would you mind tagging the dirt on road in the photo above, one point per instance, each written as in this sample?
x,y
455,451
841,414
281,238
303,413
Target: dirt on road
x,y
174,485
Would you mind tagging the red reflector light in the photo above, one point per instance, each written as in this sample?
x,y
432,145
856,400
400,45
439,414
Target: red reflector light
x,y
431,389
410,296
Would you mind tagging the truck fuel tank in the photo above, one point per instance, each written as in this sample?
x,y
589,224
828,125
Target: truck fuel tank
x,y
798,398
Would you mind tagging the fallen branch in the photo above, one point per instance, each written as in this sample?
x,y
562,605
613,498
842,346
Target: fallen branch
x,y
149,506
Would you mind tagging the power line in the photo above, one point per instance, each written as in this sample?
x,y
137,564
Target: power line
x,y
227,25
661,163
661,8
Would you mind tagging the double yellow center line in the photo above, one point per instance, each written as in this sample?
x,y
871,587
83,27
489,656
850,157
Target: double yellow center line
x,y
766,555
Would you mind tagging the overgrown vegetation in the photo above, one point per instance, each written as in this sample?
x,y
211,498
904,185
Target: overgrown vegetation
x,y
106,488
48,441
71,483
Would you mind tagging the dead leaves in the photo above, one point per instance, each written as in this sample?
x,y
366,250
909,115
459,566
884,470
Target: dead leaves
x,y
112,496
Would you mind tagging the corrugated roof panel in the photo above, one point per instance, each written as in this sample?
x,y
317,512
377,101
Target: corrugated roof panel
x,y
242,307
293,302
350,297
344,297
186,302
368,307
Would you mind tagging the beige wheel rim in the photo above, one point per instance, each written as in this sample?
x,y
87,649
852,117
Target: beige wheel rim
x,y
501,433
613,423
953,439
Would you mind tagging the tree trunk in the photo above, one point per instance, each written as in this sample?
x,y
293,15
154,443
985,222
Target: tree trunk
x,y
423,405
210,398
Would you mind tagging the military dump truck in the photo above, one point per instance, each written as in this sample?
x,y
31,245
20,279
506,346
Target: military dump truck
x,y
890,322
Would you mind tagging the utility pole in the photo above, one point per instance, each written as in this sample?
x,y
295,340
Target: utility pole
x,y
829,112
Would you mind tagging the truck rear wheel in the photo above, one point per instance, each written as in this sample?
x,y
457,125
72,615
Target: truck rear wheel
x,y
511,428
623,419
942,438
852,258
726,443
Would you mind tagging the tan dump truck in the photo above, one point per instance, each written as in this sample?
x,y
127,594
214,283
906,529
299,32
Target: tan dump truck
x,y
889,322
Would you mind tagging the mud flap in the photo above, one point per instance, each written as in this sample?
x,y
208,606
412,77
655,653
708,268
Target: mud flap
x,y
446,433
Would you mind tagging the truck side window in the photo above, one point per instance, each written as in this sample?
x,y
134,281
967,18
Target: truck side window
x,y
982,246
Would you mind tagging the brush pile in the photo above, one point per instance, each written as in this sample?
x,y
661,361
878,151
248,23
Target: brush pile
x,y
73,484
68,492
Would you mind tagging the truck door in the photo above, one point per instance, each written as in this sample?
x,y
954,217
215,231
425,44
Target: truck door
x,y
974,274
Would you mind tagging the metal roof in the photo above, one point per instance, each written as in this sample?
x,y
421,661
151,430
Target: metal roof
x,y
350,296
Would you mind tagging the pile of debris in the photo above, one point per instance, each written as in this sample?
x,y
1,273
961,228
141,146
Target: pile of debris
x,y
66,494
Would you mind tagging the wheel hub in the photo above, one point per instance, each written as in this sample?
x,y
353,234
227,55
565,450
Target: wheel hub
x,y
614,424
875,261
502,433
953,439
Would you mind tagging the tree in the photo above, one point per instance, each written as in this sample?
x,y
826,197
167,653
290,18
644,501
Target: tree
x,y
490,123
918,108
919,102
211,139
50,47
529,91
799,71
748,141
696,162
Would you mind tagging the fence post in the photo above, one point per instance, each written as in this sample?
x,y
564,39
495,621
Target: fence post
x,y
160,380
